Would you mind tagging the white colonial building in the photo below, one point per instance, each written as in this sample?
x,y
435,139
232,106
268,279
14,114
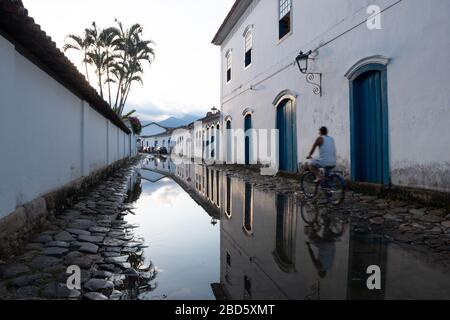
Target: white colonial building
x,y
375,72
161,140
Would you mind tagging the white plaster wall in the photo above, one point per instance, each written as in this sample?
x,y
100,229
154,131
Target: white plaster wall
x,y
414,36
48,136
127,146
121,144
185,147
8,129
113,146
48,146
96,133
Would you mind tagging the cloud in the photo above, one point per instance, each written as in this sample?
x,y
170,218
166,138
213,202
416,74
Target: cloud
x,y
152,112
185,76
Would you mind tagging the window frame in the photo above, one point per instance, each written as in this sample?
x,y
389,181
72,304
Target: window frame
x,y
248,32
291,21
229,66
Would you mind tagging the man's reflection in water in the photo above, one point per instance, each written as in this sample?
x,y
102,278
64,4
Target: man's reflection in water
x,y
323,231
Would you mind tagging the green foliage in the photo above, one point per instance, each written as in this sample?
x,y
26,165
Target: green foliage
x,y
118,56
136,125
129,114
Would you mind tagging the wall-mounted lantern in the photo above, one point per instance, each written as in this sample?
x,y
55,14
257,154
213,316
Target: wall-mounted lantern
x,y
311,77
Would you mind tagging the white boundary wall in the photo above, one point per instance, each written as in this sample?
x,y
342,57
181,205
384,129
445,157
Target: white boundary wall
x,y
48,136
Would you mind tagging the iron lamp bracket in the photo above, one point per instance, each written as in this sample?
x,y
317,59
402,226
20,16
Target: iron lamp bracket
x,y
313,78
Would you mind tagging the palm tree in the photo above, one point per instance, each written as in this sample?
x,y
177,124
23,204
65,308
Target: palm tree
x,y
128,69
123,44
108,39
118,52
97,56
81,44
139,53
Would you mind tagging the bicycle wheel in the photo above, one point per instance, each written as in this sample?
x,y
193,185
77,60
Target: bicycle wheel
x,y
335,189
309,214
308,185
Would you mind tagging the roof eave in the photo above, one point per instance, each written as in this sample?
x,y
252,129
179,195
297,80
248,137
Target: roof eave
x,y
236,12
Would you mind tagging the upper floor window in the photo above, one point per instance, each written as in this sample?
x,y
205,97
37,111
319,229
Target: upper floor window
x,y
229,63
248,36
285,19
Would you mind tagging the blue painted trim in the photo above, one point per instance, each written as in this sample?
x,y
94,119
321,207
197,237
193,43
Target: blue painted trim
x,y
292,154
352,131
385,119
248,125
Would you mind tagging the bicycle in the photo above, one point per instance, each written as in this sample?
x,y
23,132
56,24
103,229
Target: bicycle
x,y
332,185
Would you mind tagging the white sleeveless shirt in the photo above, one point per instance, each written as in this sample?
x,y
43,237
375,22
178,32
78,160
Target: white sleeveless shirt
x,y
327,157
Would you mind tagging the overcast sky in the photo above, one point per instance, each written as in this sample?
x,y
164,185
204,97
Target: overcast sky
x,y
185,75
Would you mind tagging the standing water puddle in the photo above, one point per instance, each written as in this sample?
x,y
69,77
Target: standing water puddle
x,y
266,245
183,240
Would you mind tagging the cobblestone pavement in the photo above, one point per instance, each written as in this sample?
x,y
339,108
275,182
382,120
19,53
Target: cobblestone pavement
x,y
421,229
95,236
92,235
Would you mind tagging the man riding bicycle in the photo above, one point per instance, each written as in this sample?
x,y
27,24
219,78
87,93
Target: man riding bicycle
x,y
327,154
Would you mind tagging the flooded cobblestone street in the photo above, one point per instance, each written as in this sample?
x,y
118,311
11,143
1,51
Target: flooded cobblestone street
x,y
156,230
93,236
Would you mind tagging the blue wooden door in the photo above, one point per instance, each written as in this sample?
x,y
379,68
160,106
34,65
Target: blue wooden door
x,y
287,136
229,142
369,129
218,138
247,127
248,210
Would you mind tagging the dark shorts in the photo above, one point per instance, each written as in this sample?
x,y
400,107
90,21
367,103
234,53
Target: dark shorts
x,y
319,164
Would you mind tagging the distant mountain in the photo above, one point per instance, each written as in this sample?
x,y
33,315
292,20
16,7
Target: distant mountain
x,y
151,129
174,122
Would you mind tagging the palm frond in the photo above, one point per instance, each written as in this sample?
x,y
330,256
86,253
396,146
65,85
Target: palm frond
x,y
129,114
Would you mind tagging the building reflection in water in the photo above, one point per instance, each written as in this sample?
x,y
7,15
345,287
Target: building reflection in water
x,y
274,246
285,236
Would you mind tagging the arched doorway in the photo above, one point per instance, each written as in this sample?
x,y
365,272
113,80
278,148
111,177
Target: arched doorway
x,y
229,143
248,126
218,138
248,208
228,201
285,235
212,145
286,125
369,122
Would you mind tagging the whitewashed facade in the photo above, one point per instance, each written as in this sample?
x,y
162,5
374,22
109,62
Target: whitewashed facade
x,y
158,141
410,48
50,136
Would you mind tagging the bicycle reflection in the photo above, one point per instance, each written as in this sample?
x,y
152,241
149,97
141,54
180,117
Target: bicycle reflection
x,y
322,230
